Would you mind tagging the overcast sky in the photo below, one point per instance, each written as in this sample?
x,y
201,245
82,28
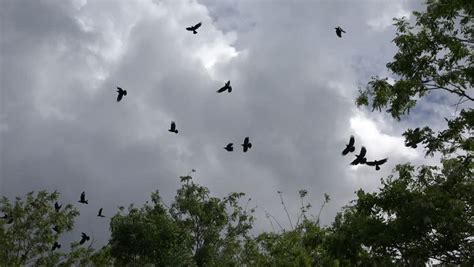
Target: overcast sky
x,y
294,85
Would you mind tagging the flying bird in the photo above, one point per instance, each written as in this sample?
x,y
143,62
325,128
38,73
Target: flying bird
x,y
339,31
56,245
173,128
229,147
194,28
247,145
225,87
83,199
349,147
360,159
57,207
56,229
84,238
5,216
100,213
121,93
377,163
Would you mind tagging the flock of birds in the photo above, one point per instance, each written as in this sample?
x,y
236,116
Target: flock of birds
x,y
246,145
361,159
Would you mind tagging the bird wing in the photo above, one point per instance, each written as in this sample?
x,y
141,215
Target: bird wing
x,y
382,161
246,140
363,151
345,151
173,126
100,211
222,89
351,141
119,89
371,163
355,162
83,196
119,97
197,26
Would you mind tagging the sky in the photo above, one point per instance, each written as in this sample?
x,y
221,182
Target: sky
x,y
294,87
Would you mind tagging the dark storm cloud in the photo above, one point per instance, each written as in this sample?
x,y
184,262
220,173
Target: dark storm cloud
x,y
293,87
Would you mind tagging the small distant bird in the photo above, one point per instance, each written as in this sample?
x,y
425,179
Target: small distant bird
x,y
229,147
57,207
84,238
100,213
173,128
194,28
5,217
121,93
377,163
56,229
417,136
349,147
83,199
56,245
339,31
225,87
247,145
360,159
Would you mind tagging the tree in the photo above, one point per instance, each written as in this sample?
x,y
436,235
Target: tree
x,y
435,55
27,235
196,230
423,212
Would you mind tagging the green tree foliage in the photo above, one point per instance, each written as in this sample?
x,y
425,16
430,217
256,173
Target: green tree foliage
x,y
425,212
434,55
196,230
27,235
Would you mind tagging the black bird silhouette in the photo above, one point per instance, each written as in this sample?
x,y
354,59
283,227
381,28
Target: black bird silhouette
x,y
56,245
194,28
173,128
5,217
100,213
416,136
360,159
229,147
339,31
247,145
57,207
121,93
56,229
349,147
83,199
377,163
225,87
84,238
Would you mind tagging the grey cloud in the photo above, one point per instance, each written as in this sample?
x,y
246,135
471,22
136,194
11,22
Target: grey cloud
x,y
65,130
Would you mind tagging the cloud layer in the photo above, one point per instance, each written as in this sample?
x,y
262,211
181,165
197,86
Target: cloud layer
x,y
294,85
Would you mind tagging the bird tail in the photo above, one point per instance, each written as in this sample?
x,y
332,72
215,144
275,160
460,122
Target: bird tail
x,y
87,201
250,145
194,32
176,131
377,168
